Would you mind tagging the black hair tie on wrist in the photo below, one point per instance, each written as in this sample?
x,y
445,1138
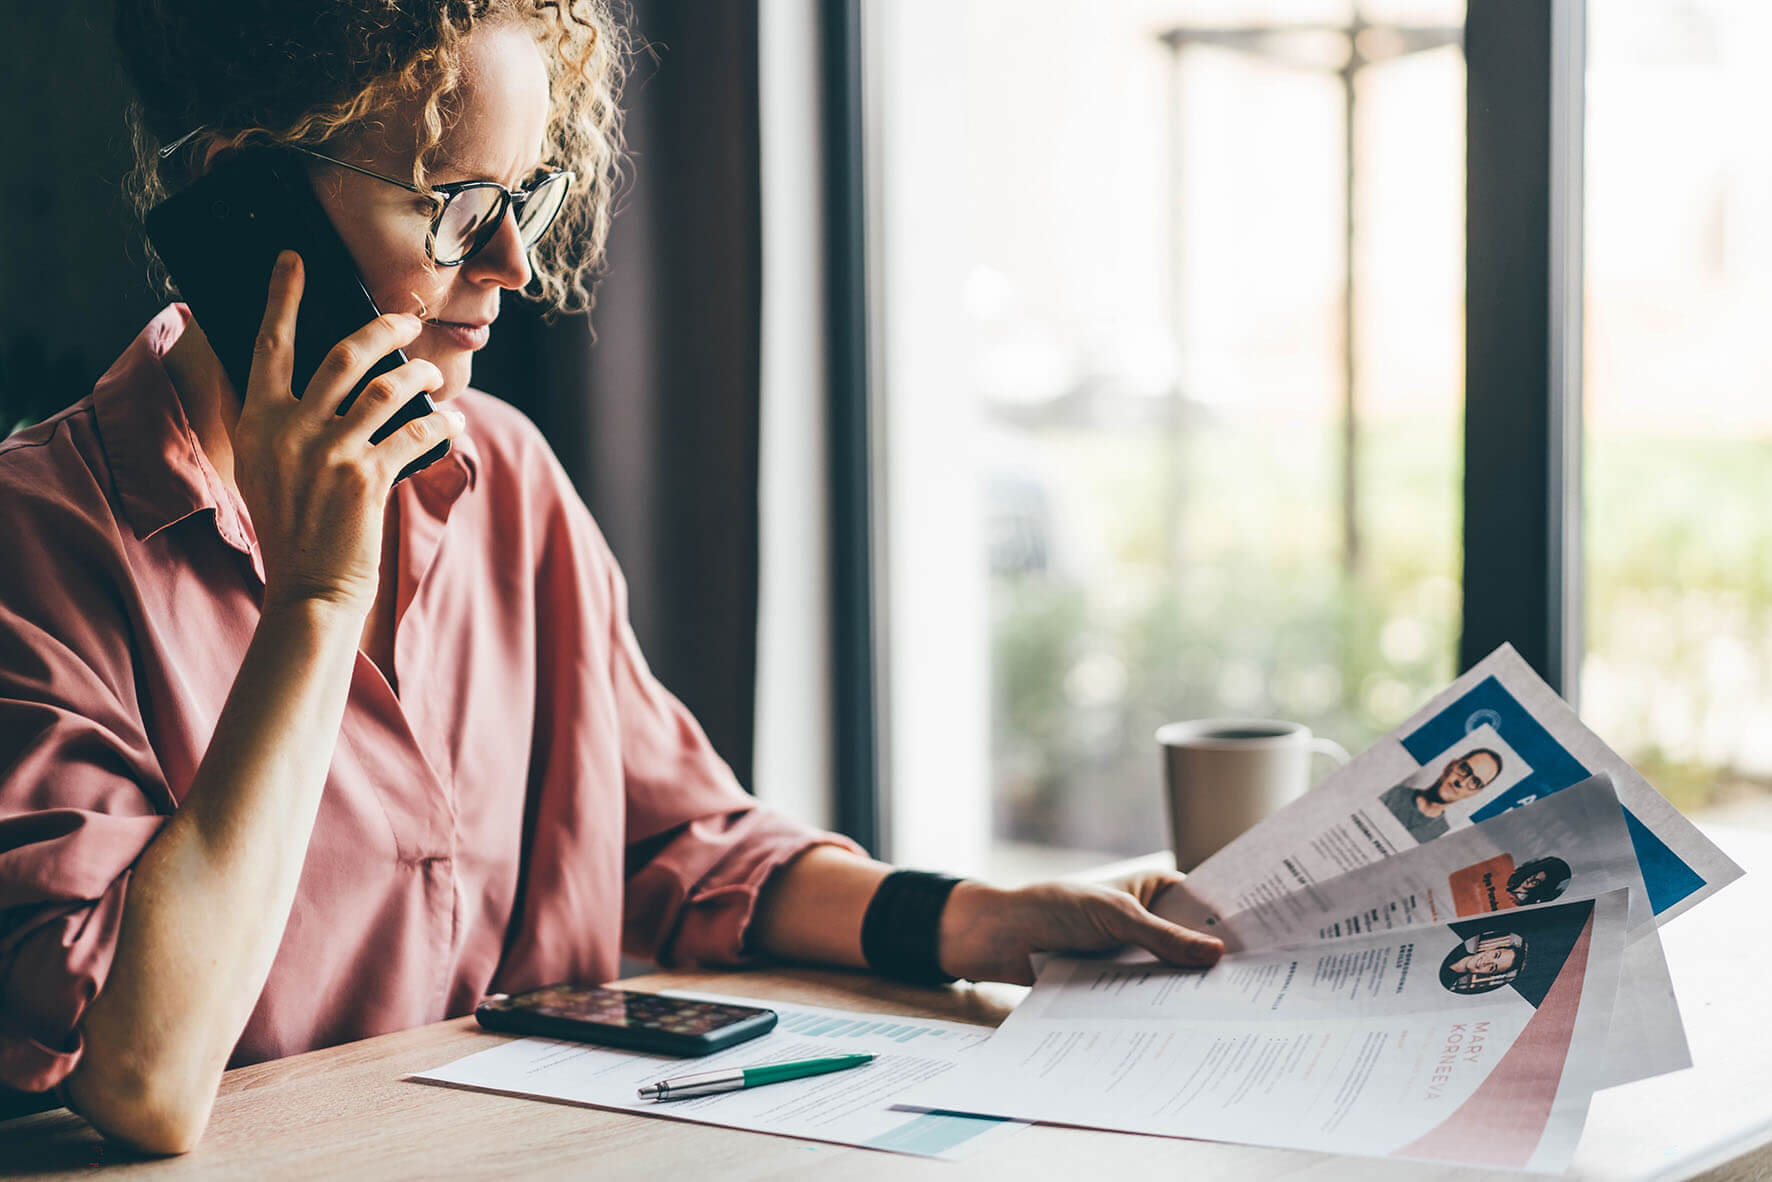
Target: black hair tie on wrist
x,y
901,931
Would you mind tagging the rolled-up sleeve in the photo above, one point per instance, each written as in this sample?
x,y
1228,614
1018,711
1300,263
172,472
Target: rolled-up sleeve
x,y
81,793
690,901
699,848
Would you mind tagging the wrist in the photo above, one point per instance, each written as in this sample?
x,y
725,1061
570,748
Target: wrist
x,y
901,930
957,938
317,608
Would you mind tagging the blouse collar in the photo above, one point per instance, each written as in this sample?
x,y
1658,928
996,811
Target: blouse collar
x,y
161,471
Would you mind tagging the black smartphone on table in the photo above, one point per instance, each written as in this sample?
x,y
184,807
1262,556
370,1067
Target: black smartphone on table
x,y
626,1019
220,237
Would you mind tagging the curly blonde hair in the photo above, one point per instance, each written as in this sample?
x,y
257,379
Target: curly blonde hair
x,y
306,71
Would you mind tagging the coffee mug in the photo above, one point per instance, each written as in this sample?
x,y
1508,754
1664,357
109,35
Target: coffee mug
x,y
1223,775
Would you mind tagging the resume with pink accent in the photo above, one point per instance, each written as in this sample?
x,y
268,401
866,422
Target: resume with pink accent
x,y
1574,844
1479,1041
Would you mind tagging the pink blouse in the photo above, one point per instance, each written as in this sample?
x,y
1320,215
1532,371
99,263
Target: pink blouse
x,y
530,806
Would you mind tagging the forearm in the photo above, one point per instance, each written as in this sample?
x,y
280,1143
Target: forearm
x,y
209,898
812,908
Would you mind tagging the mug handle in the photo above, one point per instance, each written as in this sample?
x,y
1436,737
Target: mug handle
x,y
1329,747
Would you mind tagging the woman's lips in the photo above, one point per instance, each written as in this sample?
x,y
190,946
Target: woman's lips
x,y
466,336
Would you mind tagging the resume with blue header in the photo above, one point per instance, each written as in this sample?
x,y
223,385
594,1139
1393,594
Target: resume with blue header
x,y
1500,730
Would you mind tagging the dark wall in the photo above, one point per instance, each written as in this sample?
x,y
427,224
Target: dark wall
x,y
73,288
658,420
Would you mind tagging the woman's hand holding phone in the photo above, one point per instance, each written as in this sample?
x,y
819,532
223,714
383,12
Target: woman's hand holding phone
x,y
315,486
210,896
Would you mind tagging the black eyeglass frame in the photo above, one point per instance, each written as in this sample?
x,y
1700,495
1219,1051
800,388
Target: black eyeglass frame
x,y
509,199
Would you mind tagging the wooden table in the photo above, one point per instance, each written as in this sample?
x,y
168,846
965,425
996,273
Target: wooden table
x,y
346,1111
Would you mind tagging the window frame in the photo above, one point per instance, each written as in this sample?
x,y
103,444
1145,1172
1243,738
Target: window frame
x,y
1525,63
859,803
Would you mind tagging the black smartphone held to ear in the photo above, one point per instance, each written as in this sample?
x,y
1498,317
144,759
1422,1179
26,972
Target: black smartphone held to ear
x,y
220,237
620,1018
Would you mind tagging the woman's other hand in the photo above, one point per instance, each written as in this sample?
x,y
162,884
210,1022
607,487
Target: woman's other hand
x,y
989,934
316,488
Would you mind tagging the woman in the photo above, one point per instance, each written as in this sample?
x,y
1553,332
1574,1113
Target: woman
x,y
291,755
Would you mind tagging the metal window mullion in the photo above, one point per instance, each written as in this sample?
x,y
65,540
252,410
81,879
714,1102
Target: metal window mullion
x,y
859,810
1525,64
1568,120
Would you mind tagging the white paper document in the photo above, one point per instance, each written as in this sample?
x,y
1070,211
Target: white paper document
x,y
1480,1041
1522,741
851,1107
1573,844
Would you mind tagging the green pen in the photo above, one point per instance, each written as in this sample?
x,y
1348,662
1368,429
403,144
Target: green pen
x,y
707,1083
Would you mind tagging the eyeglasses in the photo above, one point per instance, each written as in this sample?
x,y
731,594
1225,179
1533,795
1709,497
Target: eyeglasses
x,y
471,212
1466,776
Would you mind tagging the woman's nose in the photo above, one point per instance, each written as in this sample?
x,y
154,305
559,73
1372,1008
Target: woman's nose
x,y
504,257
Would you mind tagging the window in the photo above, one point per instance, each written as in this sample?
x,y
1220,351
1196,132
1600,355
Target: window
x,y
1678,670
1164,432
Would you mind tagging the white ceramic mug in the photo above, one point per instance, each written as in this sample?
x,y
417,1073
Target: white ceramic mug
x,y
1223,775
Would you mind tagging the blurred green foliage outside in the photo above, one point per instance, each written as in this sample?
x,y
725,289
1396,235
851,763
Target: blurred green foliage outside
x,y
1254,611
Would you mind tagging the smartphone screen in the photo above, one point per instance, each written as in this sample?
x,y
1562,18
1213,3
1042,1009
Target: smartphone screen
x,y
220,237
625,1018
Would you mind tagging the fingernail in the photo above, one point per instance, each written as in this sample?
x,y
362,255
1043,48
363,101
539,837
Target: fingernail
x,y
460,419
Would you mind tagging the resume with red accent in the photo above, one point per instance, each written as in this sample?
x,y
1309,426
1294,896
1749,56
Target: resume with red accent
x,y
1574,844
1479,1041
